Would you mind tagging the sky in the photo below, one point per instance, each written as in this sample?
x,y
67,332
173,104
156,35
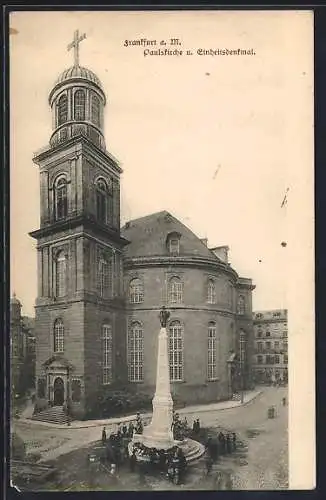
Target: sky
x,y
215,140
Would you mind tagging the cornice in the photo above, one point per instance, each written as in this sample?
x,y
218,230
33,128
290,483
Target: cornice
x,y
87,145
74,222
178,261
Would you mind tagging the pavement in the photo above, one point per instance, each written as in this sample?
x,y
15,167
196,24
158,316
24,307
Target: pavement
x,y
263,465
187,410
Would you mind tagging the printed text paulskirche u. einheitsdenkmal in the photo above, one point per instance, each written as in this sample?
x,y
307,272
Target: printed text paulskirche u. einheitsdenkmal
x,y
177,51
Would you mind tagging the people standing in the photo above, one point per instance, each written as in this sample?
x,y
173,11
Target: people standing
x,y
133,461
103,436
234,441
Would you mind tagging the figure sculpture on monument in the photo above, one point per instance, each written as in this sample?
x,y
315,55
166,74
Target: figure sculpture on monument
x,y
164,316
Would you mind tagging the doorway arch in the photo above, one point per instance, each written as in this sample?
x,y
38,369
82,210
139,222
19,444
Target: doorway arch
x,y
58,392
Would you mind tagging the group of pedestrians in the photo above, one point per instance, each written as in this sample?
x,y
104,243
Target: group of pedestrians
x,y
180,428
224,444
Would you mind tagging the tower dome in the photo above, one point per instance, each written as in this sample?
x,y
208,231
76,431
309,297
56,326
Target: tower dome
x,y
77,101
77,73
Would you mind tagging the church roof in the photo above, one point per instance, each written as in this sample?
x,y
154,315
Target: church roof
x,y
78,72
148,236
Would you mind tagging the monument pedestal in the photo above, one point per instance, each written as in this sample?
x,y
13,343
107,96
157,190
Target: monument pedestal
x,y
158,434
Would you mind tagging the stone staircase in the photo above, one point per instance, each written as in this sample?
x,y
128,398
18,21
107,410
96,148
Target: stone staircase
x,y
54,415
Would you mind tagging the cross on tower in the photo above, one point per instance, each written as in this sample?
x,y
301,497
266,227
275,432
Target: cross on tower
x,y
75,46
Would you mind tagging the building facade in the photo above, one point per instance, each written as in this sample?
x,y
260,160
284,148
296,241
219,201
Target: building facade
x,y
210,308
22,346
100,288
270,361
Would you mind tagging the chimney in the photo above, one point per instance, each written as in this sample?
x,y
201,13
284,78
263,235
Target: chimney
x,y
204,240
221,253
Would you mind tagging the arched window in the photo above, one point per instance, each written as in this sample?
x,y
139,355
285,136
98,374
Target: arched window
x,y
60,198
79,105
59,333
241,305
136,291
62,109
95,110
135,352
106,354
176,351
104,276
175,290
212,352
104,201
60,274
211,292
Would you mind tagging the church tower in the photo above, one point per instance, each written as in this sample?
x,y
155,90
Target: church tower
x,y
80,323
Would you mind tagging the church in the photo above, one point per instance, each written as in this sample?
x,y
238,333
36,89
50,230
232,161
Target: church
x,y
101,287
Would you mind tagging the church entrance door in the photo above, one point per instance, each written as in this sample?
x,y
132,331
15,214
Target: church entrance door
x,y
59,392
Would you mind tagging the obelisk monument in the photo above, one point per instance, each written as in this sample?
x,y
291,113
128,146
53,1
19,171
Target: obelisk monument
x,y
159,434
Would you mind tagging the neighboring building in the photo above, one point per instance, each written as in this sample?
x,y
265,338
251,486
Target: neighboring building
x,y
270,363
100,290
22,343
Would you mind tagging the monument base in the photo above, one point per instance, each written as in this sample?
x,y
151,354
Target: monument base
x,y
192,449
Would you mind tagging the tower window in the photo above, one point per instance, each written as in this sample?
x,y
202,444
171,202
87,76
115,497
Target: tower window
x,y
211,354
95,106
136,291
62,109
176,351
241,305
79,105
59,332
60,198
106,354
135,353
60,275
175,290
211,292
104,277
104,202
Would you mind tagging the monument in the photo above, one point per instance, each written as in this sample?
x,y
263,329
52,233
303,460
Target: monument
x,y
158,434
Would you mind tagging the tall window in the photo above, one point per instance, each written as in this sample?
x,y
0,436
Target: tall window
x,y
135,353
62,109
104,277
79,105
102,201
276,359
260,360
176,351
175,290
241,305
106,354
242,350
60,275
259,347
211,360
59,333
60,198
211,292
96,118
136,291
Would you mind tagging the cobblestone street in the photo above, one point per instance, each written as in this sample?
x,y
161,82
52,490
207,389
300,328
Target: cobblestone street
x,y
264,465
